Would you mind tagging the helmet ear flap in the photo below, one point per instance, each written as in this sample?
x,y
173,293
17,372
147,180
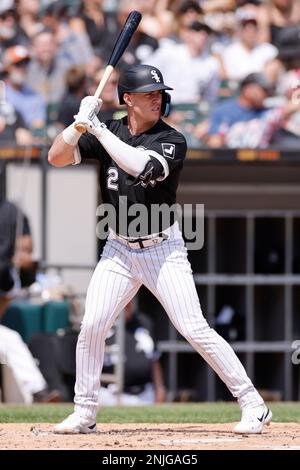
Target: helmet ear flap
x,y
166,104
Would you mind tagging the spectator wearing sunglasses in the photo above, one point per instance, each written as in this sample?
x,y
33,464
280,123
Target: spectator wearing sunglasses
x,y
28,103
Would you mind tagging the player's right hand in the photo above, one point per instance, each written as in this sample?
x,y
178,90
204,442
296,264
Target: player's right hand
x,y
90,104
88,110
90,122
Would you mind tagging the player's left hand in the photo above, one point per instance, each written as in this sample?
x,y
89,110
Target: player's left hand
x,y
88,118
87,115
90,122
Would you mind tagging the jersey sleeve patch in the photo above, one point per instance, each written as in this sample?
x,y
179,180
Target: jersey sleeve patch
x,y
168,150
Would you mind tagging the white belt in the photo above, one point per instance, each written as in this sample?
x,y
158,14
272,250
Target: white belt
x,y
138,243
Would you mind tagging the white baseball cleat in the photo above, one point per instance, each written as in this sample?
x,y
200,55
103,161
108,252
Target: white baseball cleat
x,y
75,424
253,420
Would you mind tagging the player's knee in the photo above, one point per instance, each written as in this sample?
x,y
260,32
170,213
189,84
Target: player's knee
x,y
196,331
88,328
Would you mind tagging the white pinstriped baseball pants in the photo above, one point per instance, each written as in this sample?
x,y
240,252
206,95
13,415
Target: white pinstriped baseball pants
x,y
165,270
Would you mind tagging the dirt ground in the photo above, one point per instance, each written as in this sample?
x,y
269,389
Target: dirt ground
x,y
150,436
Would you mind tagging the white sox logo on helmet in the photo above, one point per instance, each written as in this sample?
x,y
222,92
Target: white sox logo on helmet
x,y
155,76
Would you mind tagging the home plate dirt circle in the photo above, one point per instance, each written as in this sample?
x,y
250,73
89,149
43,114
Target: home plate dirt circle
x,y
285,436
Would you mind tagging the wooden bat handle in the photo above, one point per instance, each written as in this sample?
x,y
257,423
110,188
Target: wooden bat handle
x,y
107,73
80,128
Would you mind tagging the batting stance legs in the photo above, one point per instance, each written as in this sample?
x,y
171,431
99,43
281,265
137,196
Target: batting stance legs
x,y
165,270
172,283
111,288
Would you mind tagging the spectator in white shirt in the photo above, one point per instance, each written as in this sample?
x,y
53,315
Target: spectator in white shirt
x,y
246,55
189,67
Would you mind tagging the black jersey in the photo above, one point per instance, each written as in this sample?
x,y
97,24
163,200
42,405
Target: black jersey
x,y
115,182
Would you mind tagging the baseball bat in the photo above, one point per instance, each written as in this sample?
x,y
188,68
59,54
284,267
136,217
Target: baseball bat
x,y
122,42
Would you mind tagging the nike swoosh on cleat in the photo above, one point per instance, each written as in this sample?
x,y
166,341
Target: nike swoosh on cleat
x,y
263,416
92,427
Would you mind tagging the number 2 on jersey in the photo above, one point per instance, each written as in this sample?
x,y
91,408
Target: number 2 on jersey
x,y
112,177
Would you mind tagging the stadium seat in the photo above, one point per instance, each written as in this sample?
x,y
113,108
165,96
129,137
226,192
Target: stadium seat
x,y
55,316
27,318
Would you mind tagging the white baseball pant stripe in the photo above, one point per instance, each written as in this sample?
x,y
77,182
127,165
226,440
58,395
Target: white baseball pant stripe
x,y
165,270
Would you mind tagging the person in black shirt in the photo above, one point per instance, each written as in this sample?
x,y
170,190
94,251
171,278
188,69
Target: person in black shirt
x,y
15,244
141,159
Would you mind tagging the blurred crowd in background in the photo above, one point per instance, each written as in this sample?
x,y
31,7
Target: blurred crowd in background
x,y
234,66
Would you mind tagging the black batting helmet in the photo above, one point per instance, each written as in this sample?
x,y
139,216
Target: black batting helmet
x,y
144,79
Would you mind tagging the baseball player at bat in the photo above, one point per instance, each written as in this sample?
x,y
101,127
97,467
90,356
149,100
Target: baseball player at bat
x,y
141,159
